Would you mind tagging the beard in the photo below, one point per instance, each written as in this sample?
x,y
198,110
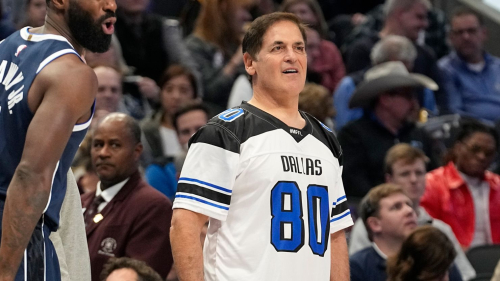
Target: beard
x,y
86,31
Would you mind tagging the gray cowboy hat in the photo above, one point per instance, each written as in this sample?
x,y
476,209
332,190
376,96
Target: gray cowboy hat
x,y
385,77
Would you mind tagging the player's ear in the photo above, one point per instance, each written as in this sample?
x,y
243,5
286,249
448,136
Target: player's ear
x,y
249,63
57,4
374,224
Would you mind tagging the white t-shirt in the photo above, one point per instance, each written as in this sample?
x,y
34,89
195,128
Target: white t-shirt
x,y
274,194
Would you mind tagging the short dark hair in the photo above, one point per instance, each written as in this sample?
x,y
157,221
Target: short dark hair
x,y
470,127
144,272
405,152
179,70
252,42
464,11
189,106
370,205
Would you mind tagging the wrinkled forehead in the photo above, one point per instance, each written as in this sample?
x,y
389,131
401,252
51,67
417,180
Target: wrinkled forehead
x,y
284,31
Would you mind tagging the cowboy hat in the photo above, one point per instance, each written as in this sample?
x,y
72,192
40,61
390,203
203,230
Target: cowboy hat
x,y
385,77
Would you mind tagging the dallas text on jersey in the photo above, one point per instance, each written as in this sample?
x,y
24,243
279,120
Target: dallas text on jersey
x,y
301,165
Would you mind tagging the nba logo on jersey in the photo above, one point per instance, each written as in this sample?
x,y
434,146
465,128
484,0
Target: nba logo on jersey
x,y
19,49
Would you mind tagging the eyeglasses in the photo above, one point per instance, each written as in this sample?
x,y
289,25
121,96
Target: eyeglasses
x,y
475,149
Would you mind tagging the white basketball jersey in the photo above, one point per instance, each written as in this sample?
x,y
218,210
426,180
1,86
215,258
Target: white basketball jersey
x,y
274,195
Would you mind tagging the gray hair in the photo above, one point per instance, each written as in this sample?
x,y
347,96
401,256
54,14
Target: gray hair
x,y
393,47
392,5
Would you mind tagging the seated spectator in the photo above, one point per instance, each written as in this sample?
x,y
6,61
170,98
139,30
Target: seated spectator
x,y
124,217
109,95
390,48
6,27
434,36
328,63
149,42
163,175
389,97
463,193
317,101
127,269
389,217
178,86
426,254
405,166
471,74
405,18
216,46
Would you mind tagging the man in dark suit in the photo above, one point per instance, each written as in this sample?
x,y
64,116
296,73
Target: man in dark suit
x,y
124,217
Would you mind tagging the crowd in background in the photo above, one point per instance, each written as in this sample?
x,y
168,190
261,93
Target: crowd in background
x,y
173,65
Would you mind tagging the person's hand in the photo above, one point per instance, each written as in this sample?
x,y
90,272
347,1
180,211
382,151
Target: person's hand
x,y
148,88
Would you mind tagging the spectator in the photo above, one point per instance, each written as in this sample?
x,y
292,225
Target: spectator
x,y
163,175
34,13
496,274
390,48
6,27
434,36
316,100
405,166
109,90
328,63
389,97
426,254
125,217
150,43
389,217
405,18
463,193
127,269
178,86
216,46
471,74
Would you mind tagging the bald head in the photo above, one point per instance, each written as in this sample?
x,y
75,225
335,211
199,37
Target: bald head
x,y
126,121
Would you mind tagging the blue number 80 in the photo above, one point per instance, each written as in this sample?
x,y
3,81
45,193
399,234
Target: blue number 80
x,y
287,224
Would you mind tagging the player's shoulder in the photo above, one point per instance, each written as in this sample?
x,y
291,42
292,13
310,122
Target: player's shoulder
x,y
324,134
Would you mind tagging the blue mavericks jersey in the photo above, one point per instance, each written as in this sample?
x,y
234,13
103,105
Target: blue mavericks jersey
x,y
22,56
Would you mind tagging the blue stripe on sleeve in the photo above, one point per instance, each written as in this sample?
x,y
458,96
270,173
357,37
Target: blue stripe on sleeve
x,y
339,217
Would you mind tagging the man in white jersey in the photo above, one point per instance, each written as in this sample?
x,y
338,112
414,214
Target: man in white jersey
x,y
266,175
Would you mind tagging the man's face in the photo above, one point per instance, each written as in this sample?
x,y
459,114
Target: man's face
x,y
467,36
313,46
281,64
109,90
410,176
91,23
123,274
414,20
36,12
304,13
133,6
396,218
188,124
475,154
402,104
114,153
176,92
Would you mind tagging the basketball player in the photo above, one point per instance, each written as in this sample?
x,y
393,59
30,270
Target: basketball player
x,y
266,175
46,104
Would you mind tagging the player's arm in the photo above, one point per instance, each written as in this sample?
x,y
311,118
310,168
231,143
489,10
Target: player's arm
x,y
186,244
61,95
339,257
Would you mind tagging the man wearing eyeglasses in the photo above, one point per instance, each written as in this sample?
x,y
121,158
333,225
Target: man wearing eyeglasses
x,y
463,193
471,74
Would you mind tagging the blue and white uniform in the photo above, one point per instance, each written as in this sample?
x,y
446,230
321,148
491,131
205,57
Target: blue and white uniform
x,y
273,193
22,56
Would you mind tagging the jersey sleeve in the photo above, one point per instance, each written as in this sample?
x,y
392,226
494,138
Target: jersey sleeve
x,y
209,172
340,216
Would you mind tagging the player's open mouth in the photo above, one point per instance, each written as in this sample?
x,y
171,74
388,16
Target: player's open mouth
x,y
290,71
108,26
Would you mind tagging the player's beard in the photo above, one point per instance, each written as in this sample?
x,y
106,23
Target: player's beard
x,y
85,30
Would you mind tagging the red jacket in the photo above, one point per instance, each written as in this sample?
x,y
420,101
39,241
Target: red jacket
x,y
447,198
135,224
